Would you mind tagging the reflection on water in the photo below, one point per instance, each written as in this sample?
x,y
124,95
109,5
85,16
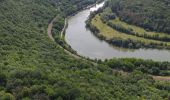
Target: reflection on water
x,y
86,44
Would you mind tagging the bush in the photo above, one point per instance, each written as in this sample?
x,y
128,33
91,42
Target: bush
x,y
145,66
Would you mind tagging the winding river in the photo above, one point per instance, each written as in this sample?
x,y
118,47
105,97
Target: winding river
x,y
87,45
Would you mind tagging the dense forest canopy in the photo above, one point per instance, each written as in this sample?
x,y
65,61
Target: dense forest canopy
x,y
32,67
153,15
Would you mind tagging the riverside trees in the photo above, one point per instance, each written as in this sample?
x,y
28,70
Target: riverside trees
x,y
32,67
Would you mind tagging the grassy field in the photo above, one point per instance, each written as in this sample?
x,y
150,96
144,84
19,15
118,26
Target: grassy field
x,y
137,29
110,33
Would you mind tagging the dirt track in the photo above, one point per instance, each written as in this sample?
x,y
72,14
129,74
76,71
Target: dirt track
x,y
49,32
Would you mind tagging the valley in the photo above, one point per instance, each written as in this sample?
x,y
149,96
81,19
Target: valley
x,y
40,60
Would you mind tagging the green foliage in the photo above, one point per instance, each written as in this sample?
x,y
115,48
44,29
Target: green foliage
x,y
34,68
6,96
151,14
130,31
145,66
119,14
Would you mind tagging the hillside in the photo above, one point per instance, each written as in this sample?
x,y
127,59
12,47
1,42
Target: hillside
x,y
32,67
153,15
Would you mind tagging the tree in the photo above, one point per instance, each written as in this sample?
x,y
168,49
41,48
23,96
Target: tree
x,y
3,79
6,96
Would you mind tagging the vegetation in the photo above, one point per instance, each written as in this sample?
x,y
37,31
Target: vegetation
x,y
141,32
121,39
130,31
32,67
121,32
145,66
56,33
150,14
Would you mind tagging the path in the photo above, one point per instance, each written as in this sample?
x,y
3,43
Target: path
x,y
63,30
162,78
49,29
49,32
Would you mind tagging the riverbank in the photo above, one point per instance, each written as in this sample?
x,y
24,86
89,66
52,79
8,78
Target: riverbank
x,y
86,44
159,78
49,33
61,38
64,28
34,67
121,39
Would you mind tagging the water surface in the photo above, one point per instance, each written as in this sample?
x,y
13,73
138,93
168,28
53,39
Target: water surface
x,y
86,44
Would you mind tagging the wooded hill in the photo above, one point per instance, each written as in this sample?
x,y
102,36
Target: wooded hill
x,y
32,67
153,15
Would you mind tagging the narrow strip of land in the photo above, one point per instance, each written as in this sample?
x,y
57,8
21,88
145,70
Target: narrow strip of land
x,y
49,32
49,29
158,78
64,28
161,78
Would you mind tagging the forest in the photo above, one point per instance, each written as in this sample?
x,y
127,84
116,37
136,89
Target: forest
x,y
153,15
32,67
144,26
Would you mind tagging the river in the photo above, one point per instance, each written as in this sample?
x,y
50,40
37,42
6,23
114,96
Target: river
x,y
87,45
